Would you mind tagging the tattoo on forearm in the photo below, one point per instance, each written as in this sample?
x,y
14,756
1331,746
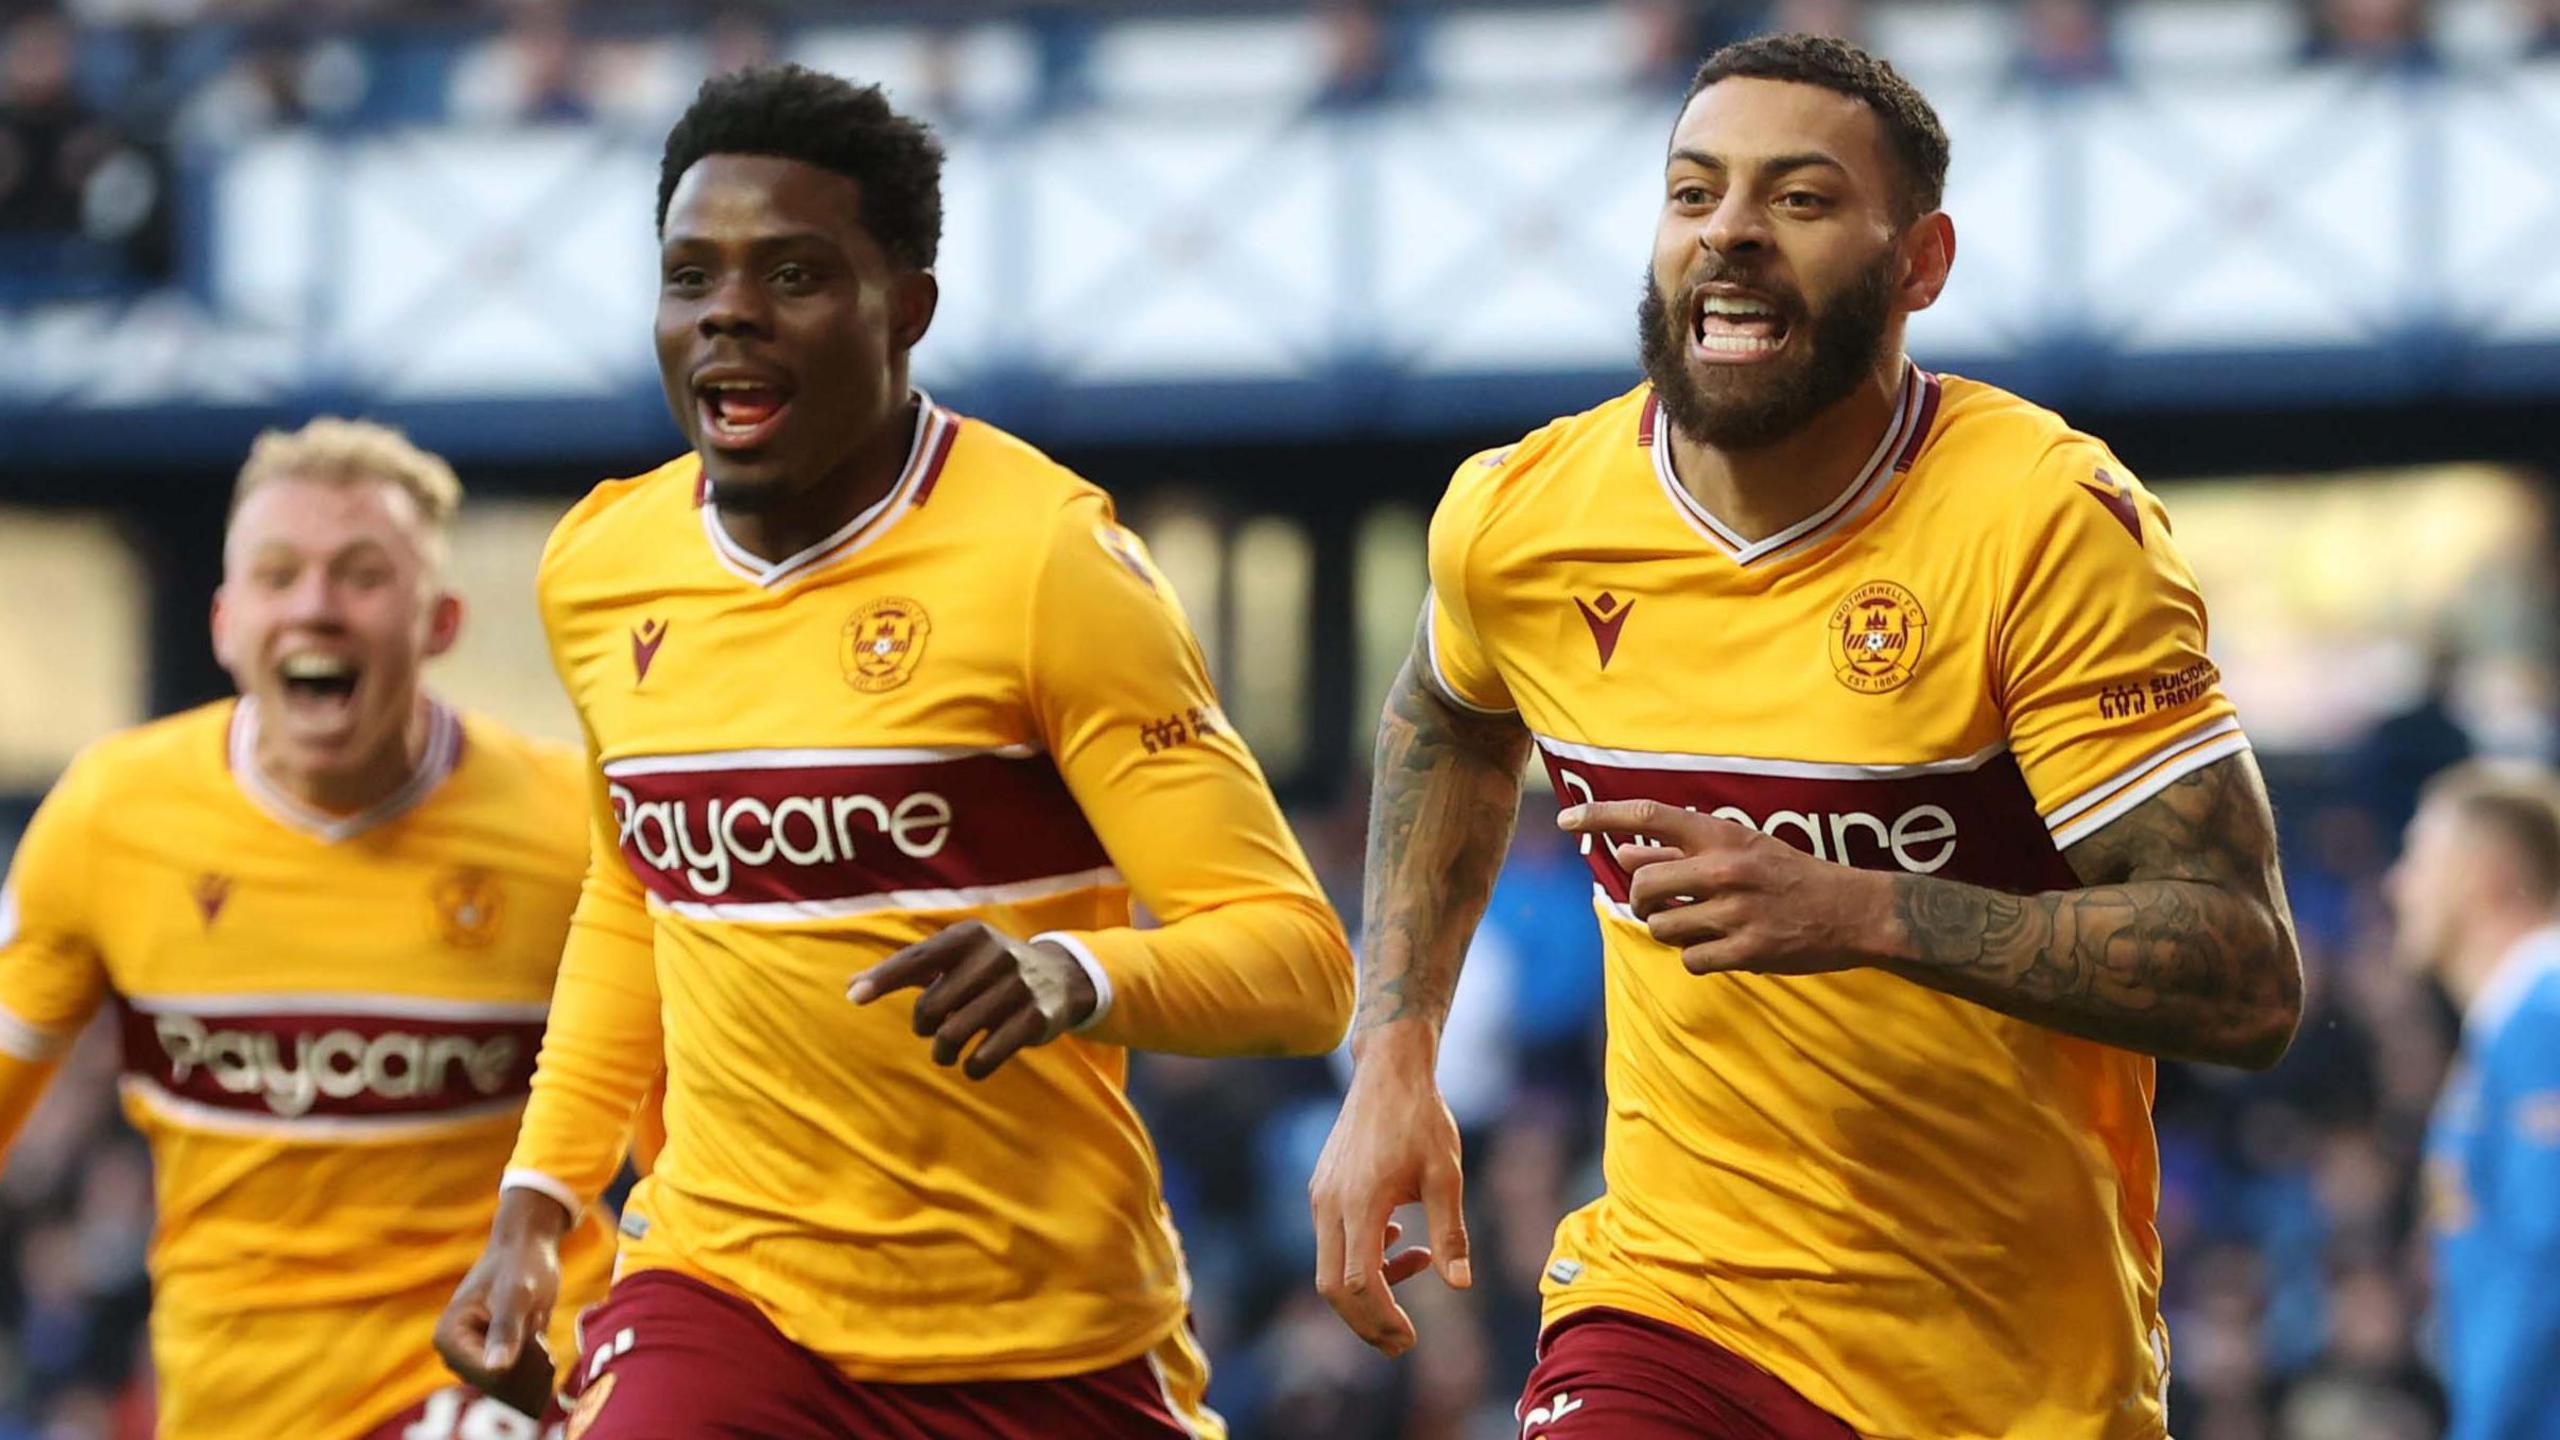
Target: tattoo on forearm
x,y
1445,792
2182,946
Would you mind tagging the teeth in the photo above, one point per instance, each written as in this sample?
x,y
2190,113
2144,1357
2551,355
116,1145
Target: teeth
x,y
317,667
1737,344
736,409
1734,305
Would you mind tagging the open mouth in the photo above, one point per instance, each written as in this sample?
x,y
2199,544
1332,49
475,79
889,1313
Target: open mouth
x,y
1729,328
740,414
319,686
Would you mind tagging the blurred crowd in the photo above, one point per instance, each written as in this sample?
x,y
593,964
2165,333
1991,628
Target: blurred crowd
x,y
2297,1287
103,101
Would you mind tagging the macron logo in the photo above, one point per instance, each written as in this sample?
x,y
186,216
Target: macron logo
x,y
211,892
1604,616
2118,498
645,639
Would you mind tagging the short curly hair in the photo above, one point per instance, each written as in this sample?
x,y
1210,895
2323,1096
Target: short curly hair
x,y
801,114
1918,142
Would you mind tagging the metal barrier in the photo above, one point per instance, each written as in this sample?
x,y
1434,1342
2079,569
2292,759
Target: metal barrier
x,y
1138,267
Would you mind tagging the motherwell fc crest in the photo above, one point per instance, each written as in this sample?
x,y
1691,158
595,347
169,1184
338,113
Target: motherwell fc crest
x,y
468,904
1876,637
882,643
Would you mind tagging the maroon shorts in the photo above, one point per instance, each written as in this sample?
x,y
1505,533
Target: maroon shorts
x,y
1609,1375
458,1412
669,1358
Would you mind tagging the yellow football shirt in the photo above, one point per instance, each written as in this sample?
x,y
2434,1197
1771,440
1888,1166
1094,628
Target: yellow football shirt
x,y
328,1025
979,699
1928,1218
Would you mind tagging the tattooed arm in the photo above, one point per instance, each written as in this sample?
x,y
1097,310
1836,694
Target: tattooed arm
x,y
1445,788
1442,801
2180,945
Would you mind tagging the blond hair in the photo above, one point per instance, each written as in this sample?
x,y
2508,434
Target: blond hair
x,y
2517,803
339,451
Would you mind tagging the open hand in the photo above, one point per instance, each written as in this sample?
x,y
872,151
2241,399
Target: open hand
x,y
1393,1144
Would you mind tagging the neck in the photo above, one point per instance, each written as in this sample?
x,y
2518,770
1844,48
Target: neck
x,y
1759,492
2486,950
354,788
863,479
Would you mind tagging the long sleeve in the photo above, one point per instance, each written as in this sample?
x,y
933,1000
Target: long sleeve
x,y
51,974
602,1048
1249,959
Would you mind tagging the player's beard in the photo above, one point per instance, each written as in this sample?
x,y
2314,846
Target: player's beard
x,y
1750,406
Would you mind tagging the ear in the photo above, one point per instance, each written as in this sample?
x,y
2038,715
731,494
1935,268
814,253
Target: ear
x,y
913,297
444,623
1928,253
219,624
2498,876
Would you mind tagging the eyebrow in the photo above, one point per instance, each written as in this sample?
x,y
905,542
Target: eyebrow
x,y
287,550
787,240
1780,164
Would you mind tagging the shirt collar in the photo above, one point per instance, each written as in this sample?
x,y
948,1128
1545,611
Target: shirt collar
x,y
2524,966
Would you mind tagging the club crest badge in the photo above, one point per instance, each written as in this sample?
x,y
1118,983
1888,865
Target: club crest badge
x,y
468,905
882,643
1876,636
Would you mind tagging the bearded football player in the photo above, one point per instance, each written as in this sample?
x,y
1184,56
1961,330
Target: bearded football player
x,y
1918,823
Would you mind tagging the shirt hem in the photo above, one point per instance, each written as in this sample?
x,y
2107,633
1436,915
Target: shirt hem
x,y
1011,1363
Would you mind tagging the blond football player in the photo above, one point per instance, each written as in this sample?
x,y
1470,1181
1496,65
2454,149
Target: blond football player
x,y
880,698
1917,820
326,916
